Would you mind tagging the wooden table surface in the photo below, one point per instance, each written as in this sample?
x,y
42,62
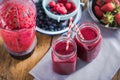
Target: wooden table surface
x,y
12,69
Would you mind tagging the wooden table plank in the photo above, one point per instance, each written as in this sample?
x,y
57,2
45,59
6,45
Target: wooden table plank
x,y
12,69
117,76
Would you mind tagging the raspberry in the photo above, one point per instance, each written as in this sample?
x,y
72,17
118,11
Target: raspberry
x,y
68,5
60,4
62,1
98,12
61,7
53,11
73,7
52,3
56,7
62,10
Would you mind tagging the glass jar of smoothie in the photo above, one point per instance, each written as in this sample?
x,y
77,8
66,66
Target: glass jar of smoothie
x,y
88,41
64,61
17,27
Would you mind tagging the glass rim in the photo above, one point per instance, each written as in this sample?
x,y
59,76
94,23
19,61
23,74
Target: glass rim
x,y
64,39
93,26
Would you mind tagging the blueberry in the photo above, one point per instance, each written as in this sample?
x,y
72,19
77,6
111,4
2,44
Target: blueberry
x,y
55,25
41,17
48,8
59,29
63,27
46,23
52,27
55,29
46,20
39,12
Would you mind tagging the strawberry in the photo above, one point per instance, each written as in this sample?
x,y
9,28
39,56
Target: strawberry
x,y
107,18
68,5
108,7
117,18
117,2
52,4
106,1
117,9
99,2
98,11
104,20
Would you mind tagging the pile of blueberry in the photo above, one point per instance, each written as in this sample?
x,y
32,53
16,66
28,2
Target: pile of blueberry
x,y
46,23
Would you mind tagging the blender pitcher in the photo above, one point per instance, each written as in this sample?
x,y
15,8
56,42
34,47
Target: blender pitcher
x,y
17,27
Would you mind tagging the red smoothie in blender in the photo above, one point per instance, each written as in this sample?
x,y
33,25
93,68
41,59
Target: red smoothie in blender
x,y
17,26
64,61
89,46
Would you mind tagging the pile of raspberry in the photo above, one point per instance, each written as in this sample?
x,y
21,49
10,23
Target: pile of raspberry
x,y
61,7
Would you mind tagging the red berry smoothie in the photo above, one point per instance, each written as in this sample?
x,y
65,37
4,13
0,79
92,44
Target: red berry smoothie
x,y
64,61
17,25
89,47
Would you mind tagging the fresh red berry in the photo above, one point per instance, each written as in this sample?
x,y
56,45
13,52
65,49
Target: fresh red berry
x,y
104,20
53,11
60,4
62,1
68,5
117,18
106,1
108,7
117,2
73,7
52,4
56,7
59,8
62,10
62,7
98,12
108,18
99,2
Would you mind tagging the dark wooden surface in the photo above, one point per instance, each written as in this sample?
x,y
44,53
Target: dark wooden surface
x,y
12,69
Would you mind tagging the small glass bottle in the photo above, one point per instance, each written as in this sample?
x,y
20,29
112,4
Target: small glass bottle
x,y
18,27
64,61
89,45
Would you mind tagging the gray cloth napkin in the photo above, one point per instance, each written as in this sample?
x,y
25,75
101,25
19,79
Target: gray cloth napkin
x,y
103,67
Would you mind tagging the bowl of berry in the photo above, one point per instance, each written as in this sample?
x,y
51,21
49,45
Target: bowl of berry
x,y
61,9
105,12
50,26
